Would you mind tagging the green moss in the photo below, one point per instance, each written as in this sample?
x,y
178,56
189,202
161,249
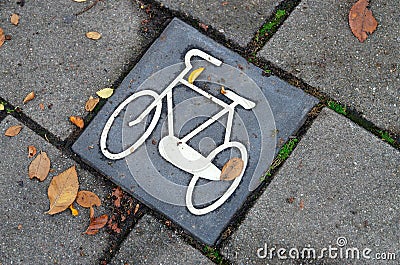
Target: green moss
x,y
337,107
283,154
386,137
271,25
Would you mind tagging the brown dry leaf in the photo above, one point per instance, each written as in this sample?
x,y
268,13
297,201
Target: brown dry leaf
x,y
63,190
13,130
91,103
87,199
194,74
91,212
31,151
2,37
301,205
361,20
223,91
117,193
203,26
96,223
232,169
78,121
41,106
93,35
29,97
14,19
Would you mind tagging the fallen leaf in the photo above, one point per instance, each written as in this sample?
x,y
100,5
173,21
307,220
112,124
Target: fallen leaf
x,y
63,190
232,169
290,200
203,26
223,91
361,20
194,74
2,37
39,167
31,151
2,106
78,121
13,130
29,97
117,193
224,3
79,1
136,209
14,19
96,223
87,199
91,212
19,227
91,103
74,211
105,92
41,106
93,35
301,205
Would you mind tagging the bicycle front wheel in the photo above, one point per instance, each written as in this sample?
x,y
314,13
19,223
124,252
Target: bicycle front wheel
x,y
143,137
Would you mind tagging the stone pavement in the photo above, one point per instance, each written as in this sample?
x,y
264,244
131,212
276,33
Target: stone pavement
x,y
338,190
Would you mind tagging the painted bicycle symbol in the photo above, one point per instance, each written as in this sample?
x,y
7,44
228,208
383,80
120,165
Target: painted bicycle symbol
x,y
176,150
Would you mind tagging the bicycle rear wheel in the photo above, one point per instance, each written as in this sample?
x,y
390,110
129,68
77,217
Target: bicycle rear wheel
x,y
227,193
142,138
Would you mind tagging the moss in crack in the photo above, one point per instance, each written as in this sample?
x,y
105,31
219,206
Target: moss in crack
x,y
337,107
214,255
271,26
283,154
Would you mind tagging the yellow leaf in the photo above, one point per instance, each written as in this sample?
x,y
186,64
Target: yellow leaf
x,y
63,190
232,169
13,130
39,167
93,35
2,37
91,103
79,1
105,92
74,211
87,199
29,97
1,106
14,19
78,121
194,74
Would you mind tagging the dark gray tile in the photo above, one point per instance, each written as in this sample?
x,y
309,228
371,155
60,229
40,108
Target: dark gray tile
x,y
279,111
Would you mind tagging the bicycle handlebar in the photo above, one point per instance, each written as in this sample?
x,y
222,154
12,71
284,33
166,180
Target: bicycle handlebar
x,y
201,54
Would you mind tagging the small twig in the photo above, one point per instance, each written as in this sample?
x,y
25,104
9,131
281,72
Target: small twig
x,y
88,7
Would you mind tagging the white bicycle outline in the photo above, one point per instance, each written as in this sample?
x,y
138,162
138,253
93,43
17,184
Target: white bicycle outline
x,y
177,151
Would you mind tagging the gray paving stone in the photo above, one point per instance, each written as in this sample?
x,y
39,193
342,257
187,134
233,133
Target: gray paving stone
x,y
316,45
150,242
348,181
29,236
279,110
237,20
50,54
